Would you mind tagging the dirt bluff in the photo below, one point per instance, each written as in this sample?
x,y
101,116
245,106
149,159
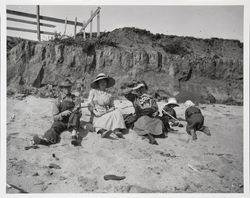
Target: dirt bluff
x,y
171,64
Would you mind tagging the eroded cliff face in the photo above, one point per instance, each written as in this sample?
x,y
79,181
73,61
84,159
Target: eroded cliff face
x,y
170,64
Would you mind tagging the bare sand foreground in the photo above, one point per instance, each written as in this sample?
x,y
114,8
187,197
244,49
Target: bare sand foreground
x,y
177,164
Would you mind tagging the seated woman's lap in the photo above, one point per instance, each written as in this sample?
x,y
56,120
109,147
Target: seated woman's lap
x,y
146,124
109,121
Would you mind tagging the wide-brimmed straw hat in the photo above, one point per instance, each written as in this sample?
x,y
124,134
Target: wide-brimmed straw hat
x,y
65,83
110,81
172,101
189,103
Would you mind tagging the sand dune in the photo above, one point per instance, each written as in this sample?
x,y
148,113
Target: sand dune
x,y
177,164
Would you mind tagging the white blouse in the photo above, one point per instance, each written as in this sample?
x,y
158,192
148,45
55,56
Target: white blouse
x,y
101,101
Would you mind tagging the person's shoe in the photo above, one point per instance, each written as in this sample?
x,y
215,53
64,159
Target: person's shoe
x,y
119,134
38,140
104,133
152,140
206,131
74,140
101,131
163,135
194,136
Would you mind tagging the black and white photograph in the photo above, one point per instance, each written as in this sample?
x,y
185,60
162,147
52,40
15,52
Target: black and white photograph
x,y
129,98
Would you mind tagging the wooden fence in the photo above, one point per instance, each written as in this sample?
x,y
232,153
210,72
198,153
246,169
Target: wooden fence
x,y
39,17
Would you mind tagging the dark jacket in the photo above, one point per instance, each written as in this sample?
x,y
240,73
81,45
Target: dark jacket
x,y
190,111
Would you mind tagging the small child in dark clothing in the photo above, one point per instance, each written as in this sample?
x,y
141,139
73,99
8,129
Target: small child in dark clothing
x,y
169,114
195,120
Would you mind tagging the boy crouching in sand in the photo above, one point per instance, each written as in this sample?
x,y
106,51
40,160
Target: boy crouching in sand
x,y
66,114
195,120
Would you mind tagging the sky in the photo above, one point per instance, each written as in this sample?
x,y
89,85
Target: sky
x,y
197,21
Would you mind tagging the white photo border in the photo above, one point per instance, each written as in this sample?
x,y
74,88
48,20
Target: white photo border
x,y
3,78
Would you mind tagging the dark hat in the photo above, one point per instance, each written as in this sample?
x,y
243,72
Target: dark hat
x,y
65,83
110,81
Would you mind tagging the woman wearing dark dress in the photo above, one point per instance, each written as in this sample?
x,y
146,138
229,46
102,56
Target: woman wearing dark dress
x,y
145,120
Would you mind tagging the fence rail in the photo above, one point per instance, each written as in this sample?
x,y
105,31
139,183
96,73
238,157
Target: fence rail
x,y
39,17
46,18
30,22
28,30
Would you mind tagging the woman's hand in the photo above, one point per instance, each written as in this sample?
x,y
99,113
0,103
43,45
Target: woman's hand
x,y
91,108
155,114
101,114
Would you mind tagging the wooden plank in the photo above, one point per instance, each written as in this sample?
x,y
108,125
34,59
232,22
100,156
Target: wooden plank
x,y
46,18
84,33
98,24
65,26
24,14
28,30
91,18
75,27
30,22
17,188
59,20
90,32
38,22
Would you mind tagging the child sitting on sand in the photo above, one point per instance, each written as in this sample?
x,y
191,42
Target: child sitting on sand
x,y
195,120
169,114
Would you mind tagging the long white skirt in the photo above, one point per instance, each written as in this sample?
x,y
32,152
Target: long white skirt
x,y
109,121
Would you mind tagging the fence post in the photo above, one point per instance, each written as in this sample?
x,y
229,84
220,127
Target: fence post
x,y
90,34
65,26
98,24
84,33
75,27
38,22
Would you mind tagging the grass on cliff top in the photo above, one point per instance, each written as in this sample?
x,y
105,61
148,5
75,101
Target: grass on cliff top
x,y
173,46
88,44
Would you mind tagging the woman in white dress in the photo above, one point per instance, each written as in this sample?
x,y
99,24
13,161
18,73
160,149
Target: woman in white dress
x,y
106,118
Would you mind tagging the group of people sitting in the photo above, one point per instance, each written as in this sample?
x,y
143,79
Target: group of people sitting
x,y
108,119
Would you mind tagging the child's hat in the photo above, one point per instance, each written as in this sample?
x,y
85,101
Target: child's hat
x,y
172,101
189,103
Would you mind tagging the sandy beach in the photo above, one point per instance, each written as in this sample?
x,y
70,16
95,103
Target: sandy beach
x,y
178,164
